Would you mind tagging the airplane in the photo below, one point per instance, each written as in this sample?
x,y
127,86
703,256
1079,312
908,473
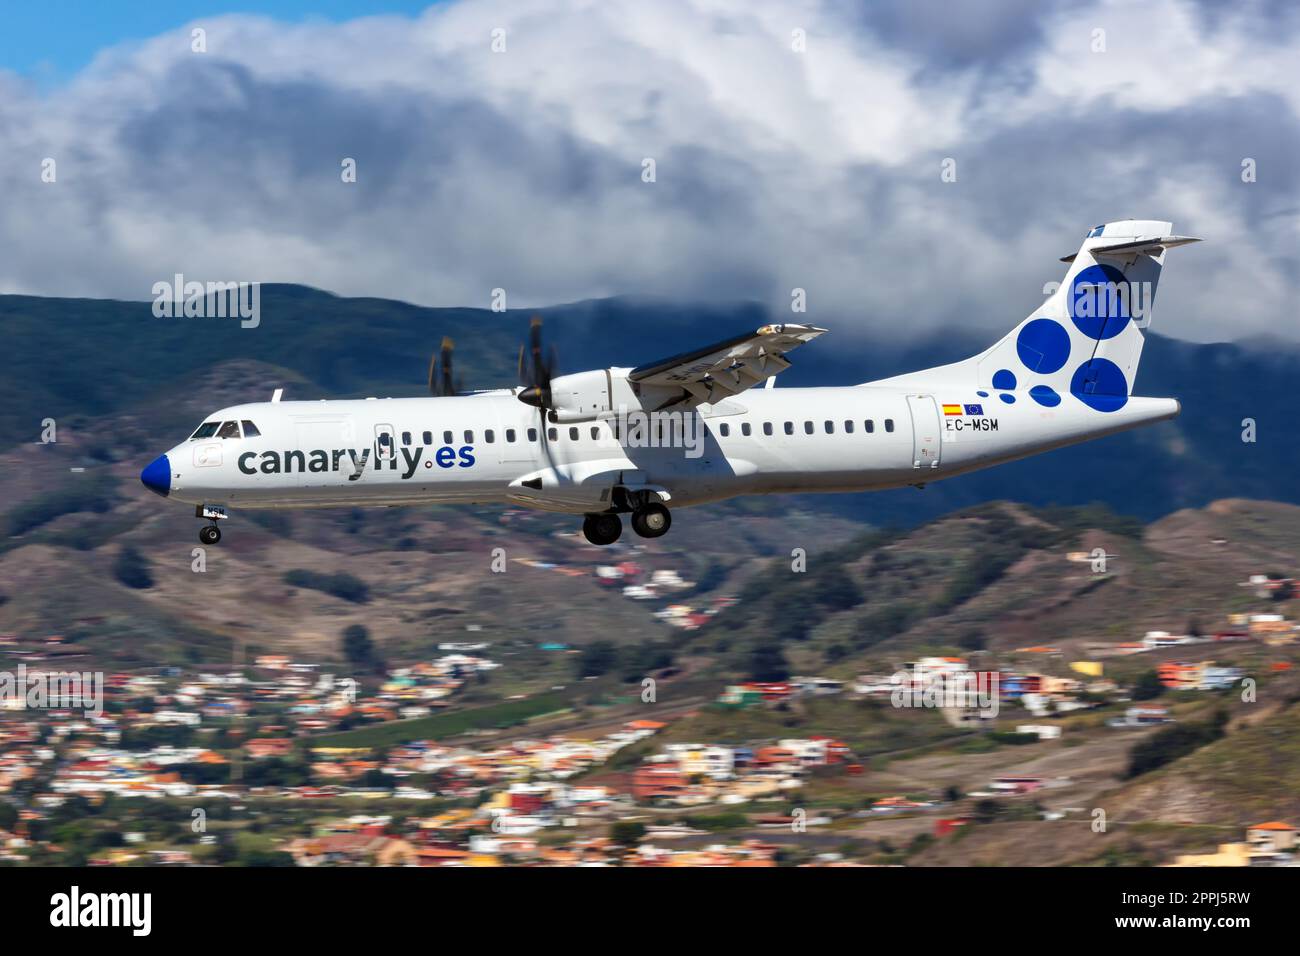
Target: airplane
x,y
694,428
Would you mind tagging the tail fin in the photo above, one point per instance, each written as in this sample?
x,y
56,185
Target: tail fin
x,y
1086,339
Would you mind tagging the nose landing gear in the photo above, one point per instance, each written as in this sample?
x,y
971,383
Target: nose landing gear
x,y
210,534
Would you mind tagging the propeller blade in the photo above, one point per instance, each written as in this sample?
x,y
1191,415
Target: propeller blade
x,y
536,367
447,384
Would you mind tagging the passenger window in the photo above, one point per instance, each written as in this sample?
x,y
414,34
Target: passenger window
x,y
489,436
848,426
595,433
448,438
206,430
807,428
724,429
229,430
789,428
250,430
428,438
870,425
889,424
469,437
406,438
830,428
767,428
532,434
552,433
573,434
745,429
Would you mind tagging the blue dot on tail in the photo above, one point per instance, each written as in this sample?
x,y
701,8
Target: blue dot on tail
x,y
1045,396
982,394
1043,346
1004,378
1100,384
1099,302
1009,399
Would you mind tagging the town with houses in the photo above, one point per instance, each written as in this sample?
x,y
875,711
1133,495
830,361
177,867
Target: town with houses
x,y
175,757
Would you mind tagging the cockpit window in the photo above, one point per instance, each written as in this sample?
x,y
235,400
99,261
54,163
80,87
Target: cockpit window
x,y
250,430
229,430
206,430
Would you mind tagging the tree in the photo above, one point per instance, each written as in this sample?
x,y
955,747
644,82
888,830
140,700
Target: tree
x,y
1147,686
767,663
597,659
358,648
131,568
627,832
836,590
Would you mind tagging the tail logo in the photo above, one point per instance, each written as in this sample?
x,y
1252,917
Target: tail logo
x,y
1099,302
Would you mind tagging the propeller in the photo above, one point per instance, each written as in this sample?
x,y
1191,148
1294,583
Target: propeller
x,y
536,368
441,381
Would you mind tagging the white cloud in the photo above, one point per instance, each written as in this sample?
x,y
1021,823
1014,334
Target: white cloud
x,y
775,169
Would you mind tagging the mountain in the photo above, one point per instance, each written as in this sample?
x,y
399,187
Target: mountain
x,y
75,360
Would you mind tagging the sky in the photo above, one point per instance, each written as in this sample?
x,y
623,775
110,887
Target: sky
x,y
793,145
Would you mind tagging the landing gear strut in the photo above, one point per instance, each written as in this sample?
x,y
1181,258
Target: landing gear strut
x,y
652,520
209,534
602,529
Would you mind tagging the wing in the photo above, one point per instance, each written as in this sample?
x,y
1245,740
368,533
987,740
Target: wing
x,y
726,368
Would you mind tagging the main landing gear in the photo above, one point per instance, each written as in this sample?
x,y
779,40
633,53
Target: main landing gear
x,y
602,529
649,521
209,534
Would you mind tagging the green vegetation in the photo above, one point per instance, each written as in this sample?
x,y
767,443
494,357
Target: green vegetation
x,y
767,662
341,585
627,832
93,493
131,568
497,716
717,822
1147,686
358,648
1167,745
597,659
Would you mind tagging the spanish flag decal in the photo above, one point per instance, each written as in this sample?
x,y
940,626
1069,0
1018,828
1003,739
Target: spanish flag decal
x,y
951,409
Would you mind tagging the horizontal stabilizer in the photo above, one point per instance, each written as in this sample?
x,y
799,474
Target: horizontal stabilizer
x,y
1155,246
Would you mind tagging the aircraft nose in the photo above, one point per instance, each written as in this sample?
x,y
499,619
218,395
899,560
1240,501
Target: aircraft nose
x,y
157,476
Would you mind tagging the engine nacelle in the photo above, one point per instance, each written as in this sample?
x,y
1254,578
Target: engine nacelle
x,y
581,397
589,396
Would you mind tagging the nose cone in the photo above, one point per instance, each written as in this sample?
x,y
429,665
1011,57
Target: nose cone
x,y
157,476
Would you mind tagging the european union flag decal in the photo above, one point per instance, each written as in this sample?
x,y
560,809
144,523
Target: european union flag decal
x,y
974,409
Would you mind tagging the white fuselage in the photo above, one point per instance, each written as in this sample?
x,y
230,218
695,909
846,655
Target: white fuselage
x,y
477,448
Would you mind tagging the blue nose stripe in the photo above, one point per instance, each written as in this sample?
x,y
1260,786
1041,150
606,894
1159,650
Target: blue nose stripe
x,y
157,476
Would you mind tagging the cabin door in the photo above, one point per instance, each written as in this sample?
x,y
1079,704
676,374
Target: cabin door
x,y
926,431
